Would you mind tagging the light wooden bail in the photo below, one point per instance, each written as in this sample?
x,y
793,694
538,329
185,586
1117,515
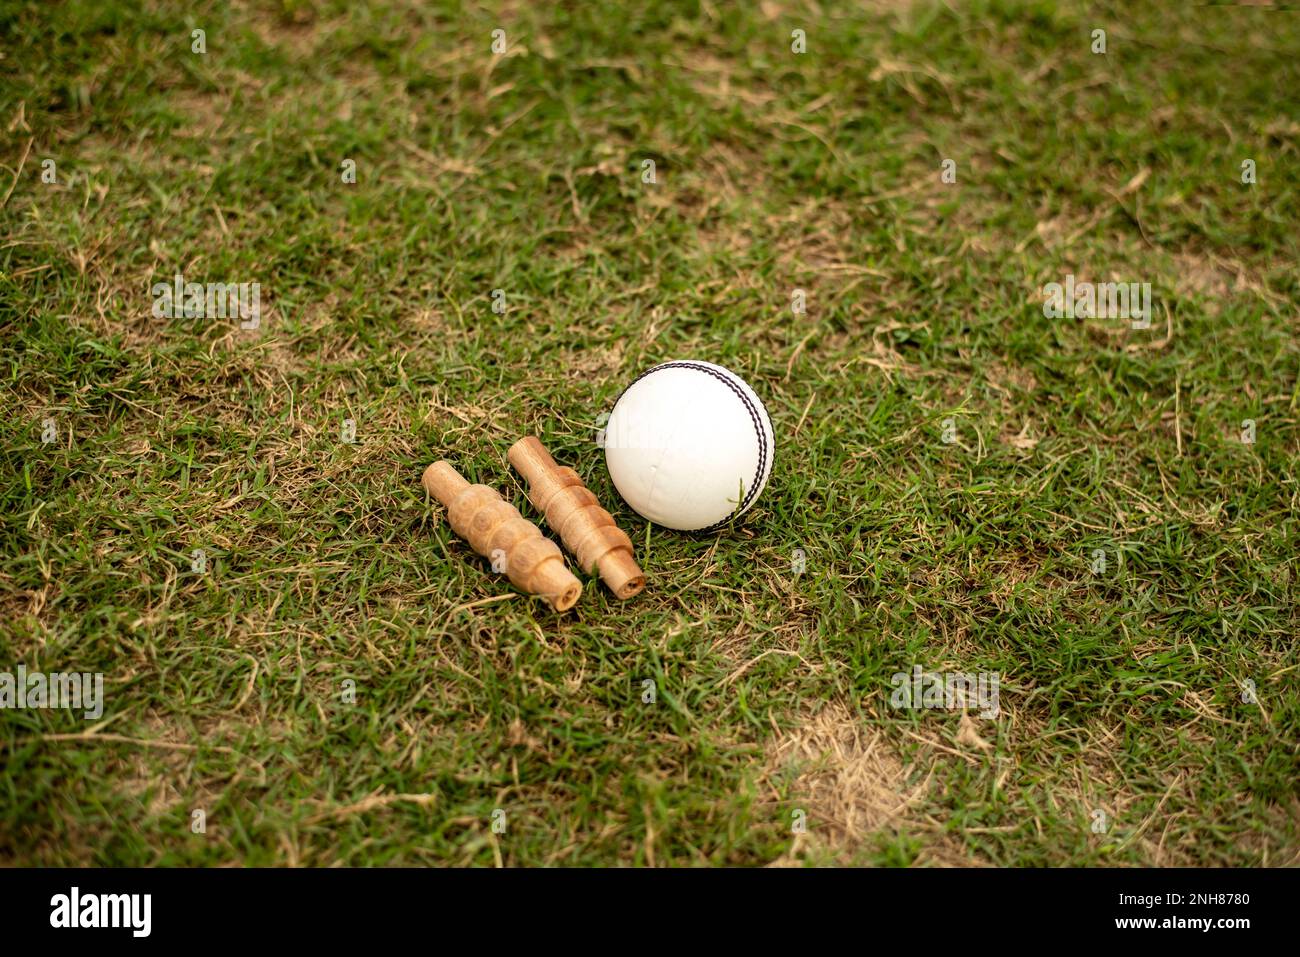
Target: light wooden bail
x,y
587,530
490,524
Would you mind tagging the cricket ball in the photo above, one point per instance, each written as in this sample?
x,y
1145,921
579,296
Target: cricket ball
x,y
689,445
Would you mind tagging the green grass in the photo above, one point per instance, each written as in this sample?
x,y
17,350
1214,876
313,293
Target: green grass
x,y
1121,691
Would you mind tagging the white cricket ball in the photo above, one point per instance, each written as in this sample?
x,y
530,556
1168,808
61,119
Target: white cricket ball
x,y
689,445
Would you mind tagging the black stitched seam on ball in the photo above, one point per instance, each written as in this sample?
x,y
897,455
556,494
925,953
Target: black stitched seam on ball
x,y
753,417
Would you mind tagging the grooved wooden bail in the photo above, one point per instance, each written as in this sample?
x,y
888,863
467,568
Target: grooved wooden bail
x,y
495,529
587,530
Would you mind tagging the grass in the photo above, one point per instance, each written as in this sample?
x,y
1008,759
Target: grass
x,y
1122,696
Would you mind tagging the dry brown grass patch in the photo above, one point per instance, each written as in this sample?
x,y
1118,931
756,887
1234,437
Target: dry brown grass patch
x,y
854,785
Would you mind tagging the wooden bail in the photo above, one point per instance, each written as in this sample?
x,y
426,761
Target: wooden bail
x,y
586,529
491,525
